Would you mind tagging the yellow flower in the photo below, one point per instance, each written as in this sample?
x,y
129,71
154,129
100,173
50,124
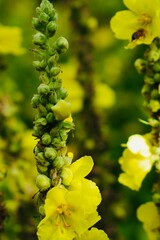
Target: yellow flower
x,y
136,161
104,96
90,193
70,211
139,24
11,40
65,215
93,234
149,215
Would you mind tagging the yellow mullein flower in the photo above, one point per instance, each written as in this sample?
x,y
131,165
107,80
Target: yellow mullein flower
x,y
139,24
149,215
136,161
11,40
65,215
93,234
89,191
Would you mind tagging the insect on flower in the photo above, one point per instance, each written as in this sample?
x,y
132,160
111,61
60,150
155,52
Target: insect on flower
x,y
138,34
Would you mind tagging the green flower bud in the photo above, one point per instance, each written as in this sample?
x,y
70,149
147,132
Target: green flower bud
x,y
43,182
66,175
42,110
43,18
46,139
149,80
153,122
58,143
39,39
41,210
153,56
51,28
53,98
50,117
156,196
61,110
47,7
140,65
67,125
157,77
37,131
57,84
41,160
39,65
41,121
63,93
156,67
36,150
37,25
67,161
43,100
35,101
42,169
58,162
154,105
155,94
43,89
61,45
63,134
50,153
54,131
54,71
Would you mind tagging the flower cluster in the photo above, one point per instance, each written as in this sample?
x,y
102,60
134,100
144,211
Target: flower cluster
x,y
67,200
139,24
136,161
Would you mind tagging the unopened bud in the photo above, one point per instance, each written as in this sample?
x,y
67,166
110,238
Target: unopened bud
x,y
43,182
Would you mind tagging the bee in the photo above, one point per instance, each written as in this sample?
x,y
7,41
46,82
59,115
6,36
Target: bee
x,y
138,34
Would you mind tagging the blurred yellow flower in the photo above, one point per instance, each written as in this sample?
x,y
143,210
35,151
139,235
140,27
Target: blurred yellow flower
x,y
104,96
149,215
139,24
136,161
93,234
11,40
74,89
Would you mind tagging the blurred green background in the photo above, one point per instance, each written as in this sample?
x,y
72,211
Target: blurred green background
x,y
116,105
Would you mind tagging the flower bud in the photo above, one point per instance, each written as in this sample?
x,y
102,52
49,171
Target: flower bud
x,y
37,25
35,101
51,28
43,89
41,160
39,65
54,131
140,65
63,93
58,143
42,110
50,117
39,39
63,134
54,71
41,121
58,162
153,56
66,175
43,18
61,110
61,45
50,153
37,131
41,210
154,105
46,139
155,94
43,182
67,161
157,77
42,169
